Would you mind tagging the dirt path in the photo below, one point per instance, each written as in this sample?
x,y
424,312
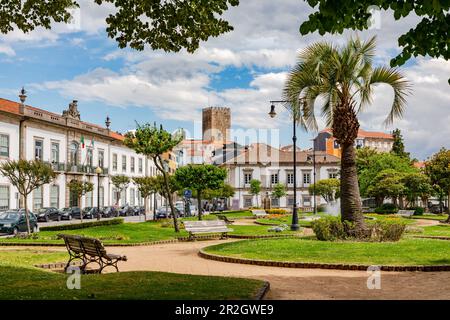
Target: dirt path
x,y
426,223
288,283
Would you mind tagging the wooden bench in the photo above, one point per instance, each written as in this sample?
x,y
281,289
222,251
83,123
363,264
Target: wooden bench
x,y
208,226
406,213
89,250
259,213
224,218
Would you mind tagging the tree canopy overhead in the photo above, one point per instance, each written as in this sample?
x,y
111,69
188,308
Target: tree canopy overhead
x,y
162,24
429,37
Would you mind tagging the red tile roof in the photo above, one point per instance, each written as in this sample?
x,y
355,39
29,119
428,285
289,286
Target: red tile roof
x,y
9,106
366,134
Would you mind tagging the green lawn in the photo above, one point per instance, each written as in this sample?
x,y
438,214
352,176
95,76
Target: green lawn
x,y
431,217
390,217
236,214
287,219
112,234
19,280
254,230
404,252
439,230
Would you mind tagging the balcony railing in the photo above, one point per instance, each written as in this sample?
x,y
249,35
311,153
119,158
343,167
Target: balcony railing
x,y
75,168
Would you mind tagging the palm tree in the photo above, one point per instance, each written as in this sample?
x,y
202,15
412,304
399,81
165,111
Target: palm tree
x,y
344,78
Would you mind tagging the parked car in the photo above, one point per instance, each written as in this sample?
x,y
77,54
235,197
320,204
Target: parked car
x,y
69,213
90,213
47,214
126,211
138,210
13,222
194,211
165,213
109,212
436,208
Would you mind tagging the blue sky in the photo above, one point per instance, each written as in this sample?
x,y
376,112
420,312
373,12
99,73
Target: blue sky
x,y
243,70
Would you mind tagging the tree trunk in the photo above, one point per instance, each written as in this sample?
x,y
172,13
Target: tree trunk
x,y
145,208
448,208
351,209
169,197
199,204
27,218
81,209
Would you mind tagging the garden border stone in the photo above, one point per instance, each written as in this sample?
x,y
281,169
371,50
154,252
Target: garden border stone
x,y
312,265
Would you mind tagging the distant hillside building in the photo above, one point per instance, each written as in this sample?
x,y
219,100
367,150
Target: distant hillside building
x,y
379,141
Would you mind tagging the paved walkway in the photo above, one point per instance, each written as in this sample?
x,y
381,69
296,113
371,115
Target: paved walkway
x,y
288,283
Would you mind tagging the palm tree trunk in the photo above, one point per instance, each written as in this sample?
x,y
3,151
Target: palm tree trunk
x,y
351,209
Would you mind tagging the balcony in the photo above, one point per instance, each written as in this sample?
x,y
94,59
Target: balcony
x,y
75,169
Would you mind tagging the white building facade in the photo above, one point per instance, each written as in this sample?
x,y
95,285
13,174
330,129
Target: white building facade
x,y
272,166
75,149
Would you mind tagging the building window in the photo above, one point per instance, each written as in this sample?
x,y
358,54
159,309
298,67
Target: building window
x,y
248,202
247,178
336,145
114,196
4,197
306,201
55,152
275,202
274,178
124,163
306,178
101,196
132,164
140,165
37,198
139,197
54,196
4,145
73,153
333,175
89,199
132,196
290,201
114,161
101,158
90,157
38,150
359,143
290,178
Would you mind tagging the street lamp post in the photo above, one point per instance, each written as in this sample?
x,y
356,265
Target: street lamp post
x,y
272,114
98,171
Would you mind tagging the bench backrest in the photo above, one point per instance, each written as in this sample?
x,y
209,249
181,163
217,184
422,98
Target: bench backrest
x,y
259,212
203,226
406,212
84,245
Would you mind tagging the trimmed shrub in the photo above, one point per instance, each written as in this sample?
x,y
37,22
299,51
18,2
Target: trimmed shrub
x,y
413,229
83,225
168,223
387,208
322,208
418,211
332,229
276,211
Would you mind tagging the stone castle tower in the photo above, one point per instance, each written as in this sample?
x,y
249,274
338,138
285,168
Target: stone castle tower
x,y
216,123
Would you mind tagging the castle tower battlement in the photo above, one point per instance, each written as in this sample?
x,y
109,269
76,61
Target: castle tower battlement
x,y
216,123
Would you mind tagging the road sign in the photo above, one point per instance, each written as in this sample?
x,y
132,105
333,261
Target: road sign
x,y
187,193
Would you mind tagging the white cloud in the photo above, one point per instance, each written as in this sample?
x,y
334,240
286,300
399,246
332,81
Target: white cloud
x,y
7,50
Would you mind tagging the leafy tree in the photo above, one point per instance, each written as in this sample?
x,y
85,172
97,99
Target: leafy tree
x,y
387,184
226,191
428,38
80,188
27,176
344,77
370,166
438,169
120,183
167,25
153,142
255,188
327,189
278,191
417,185
146,187
200,178
398,147
363,158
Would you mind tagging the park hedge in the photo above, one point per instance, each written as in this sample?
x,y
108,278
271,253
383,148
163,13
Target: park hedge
x,y
83,225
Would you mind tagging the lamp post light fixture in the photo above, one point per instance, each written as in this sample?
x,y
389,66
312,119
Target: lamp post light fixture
x,y
294,226
98,171
314,174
